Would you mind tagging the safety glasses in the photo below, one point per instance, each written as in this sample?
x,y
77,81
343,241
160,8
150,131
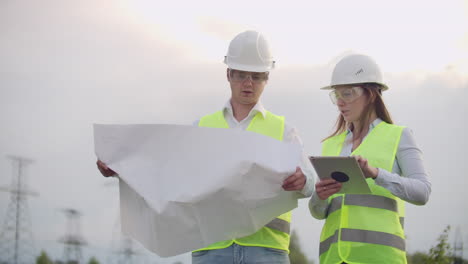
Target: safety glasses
x,y
348,94
241,76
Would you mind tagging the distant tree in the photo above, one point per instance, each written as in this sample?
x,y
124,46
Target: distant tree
x,y
296,256
442,252
93,260
43,259
416,258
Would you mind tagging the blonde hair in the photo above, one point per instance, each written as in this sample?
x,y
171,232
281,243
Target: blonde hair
x,y
375,103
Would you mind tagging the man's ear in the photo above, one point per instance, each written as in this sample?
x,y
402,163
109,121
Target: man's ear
x,y
227,75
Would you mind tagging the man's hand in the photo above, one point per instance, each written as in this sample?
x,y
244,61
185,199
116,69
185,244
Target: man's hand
x,y
105,171
295,182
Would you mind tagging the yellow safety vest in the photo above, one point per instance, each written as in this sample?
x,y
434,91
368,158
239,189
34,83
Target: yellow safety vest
x,y
276,233
365,228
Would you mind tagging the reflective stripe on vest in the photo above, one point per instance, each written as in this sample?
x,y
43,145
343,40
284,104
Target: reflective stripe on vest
x,y
275,234
280,225
358,225
366,200
364,236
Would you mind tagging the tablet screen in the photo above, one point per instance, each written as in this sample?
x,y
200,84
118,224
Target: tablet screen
x,y
343,169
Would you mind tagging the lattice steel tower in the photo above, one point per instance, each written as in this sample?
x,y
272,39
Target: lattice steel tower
x,y
72,240
126,252
16,239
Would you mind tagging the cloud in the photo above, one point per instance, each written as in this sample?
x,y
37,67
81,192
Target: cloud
x,y
79,40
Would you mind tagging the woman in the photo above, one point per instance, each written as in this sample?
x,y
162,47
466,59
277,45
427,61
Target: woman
x,y
367,228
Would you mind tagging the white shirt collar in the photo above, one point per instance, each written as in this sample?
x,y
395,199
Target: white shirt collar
x,y
257,108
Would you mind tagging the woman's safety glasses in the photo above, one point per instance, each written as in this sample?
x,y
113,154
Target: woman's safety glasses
x,y
348,94
255,77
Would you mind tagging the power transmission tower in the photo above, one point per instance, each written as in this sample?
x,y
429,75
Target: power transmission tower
x,y
458,247
72,240
16,239
126,251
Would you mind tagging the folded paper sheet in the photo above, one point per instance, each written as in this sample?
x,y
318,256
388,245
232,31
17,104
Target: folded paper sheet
x,y
183,187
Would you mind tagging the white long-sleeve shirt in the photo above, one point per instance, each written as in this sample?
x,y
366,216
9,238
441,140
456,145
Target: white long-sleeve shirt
x,y
290,136
407,181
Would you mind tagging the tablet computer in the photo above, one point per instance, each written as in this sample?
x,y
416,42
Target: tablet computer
x,y
343,169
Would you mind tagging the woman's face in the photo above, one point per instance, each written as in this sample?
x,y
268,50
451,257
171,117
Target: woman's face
x,y
351,101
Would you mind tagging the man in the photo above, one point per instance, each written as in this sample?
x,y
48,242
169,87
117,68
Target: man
x,y
249,61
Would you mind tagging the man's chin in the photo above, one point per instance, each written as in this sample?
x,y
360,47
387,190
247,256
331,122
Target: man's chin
x,y
249,102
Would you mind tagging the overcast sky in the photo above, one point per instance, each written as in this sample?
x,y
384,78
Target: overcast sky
x,y
65,65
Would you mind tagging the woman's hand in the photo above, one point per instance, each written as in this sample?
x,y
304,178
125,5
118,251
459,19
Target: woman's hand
x,y
368,170
326,188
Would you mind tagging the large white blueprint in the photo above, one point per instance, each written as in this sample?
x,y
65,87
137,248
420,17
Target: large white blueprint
x,y
184,187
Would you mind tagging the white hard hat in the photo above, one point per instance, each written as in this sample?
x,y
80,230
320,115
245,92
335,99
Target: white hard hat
x,y
249,51
356,69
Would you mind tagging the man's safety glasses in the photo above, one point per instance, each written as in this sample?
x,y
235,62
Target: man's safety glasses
x,y
348,94
241,76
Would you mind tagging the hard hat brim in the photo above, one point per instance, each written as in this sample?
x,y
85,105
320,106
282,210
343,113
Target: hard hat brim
x,y
331,87
249,68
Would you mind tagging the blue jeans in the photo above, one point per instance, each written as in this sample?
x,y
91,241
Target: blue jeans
x,y
237,254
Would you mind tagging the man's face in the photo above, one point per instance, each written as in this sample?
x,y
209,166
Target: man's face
x,y
246,87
